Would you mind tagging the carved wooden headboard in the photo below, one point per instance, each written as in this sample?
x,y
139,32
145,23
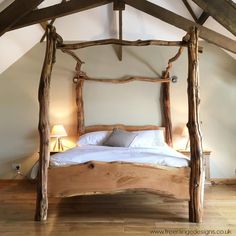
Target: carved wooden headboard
x,y
81,129
93,128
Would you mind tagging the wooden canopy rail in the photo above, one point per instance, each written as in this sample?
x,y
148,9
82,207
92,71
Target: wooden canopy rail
x,y
165,100
192,186
123,81
79,45
81,76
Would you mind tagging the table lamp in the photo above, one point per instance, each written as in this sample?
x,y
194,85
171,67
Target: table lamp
x,y
58,131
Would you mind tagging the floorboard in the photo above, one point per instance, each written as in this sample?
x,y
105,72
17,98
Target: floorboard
x,y
118,214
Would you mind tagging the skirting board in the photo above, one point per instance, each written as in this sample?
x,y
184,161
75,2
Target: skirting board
x,y
218,181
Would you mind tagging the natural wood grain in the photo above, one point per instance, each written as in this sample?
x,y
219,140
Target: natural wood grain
x,y
44,25
167,123
117,215
44,126
14,12
202,18
130,128
73,46
222,181
58,10
165,95
206,162
183,23
103,177
120,51
197,168
119,6
172,60
131,79
192,13
80,107
222,11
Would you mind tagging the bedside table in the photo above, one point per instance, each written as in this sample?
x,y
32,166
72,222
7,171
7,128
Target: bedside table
x,y
206,161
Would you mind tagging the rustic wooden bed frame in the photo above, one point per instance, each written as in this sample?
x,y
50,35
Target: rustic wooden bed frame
x,y
97,177
102,177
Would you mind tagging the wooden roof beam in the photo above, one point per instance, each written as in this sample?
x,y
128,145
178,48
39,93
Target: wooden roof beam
x,y
187,5
223,11
119,6
14,12
202,18
44,25
58,10
183,23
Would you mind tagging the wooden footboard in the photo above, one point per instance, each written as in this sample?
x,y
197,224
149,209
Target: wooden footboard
x,y
102,177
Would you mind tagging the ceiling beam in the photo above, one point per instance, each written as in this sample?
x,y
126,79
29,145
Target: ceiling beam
x,y
187,5
14,12
119,6
202,18
58,10
183,23
222,11
44,26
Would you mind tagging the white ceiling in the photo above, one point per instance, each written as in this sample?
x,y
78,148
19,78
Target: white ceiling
x,y
100,23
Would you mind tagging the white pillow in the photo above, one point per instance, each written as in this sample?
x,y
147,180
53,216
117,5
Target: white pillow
x,y
149,138
93,138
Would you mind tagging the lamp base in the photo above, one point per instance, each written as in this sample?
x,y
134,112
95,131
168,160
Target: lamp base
x,y
58,146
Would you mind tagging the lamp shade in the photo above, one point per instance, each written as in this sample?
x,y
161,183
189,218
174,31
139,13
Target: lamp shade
x,y
58,131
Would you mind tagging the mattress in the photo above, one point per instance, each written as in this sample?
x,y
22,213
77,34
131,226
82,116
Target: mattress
x,y
163,155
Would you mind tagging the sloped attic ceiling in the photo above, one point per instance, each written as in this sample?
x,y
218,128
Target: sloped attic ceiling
x,y
100,23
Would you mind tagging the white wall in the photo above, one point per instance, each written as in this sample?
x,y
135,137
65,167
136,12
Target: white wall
x,y
134,103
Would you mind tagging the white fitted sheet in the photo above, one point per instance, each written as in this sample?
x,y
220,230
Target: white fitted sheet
x,y
165,156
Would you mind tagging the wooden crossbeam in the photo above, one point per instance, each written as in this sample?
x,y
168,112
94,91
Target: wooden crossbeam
x,y
14,12
120,52
131,79
202,18
186,3
44,26
58,10
183,23
73,46
222,11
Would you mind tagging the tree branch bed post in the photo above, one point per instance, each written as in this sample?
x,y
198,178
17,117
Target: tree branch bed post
x,y
44,125
197,168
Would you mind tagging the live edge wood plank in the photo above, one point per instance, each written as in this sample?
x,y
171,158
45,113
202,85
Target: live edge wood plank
x,y
102,177
130,128
44,126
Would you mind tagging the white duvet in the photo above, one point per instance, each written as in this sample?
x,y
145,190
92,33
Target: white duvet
x,y
163,155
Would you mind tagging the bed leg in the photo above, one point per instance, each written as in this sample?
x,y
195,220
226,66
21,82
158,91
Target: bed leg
x,y
41,202
44,125
197,170
196,193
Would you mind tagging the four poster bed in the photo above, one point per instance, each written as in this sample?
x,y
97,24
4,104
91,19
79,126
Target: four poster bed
x,y
94,176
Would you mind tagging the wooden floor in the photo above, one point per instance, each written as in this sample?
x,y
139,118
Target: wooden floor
x,y
120,214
